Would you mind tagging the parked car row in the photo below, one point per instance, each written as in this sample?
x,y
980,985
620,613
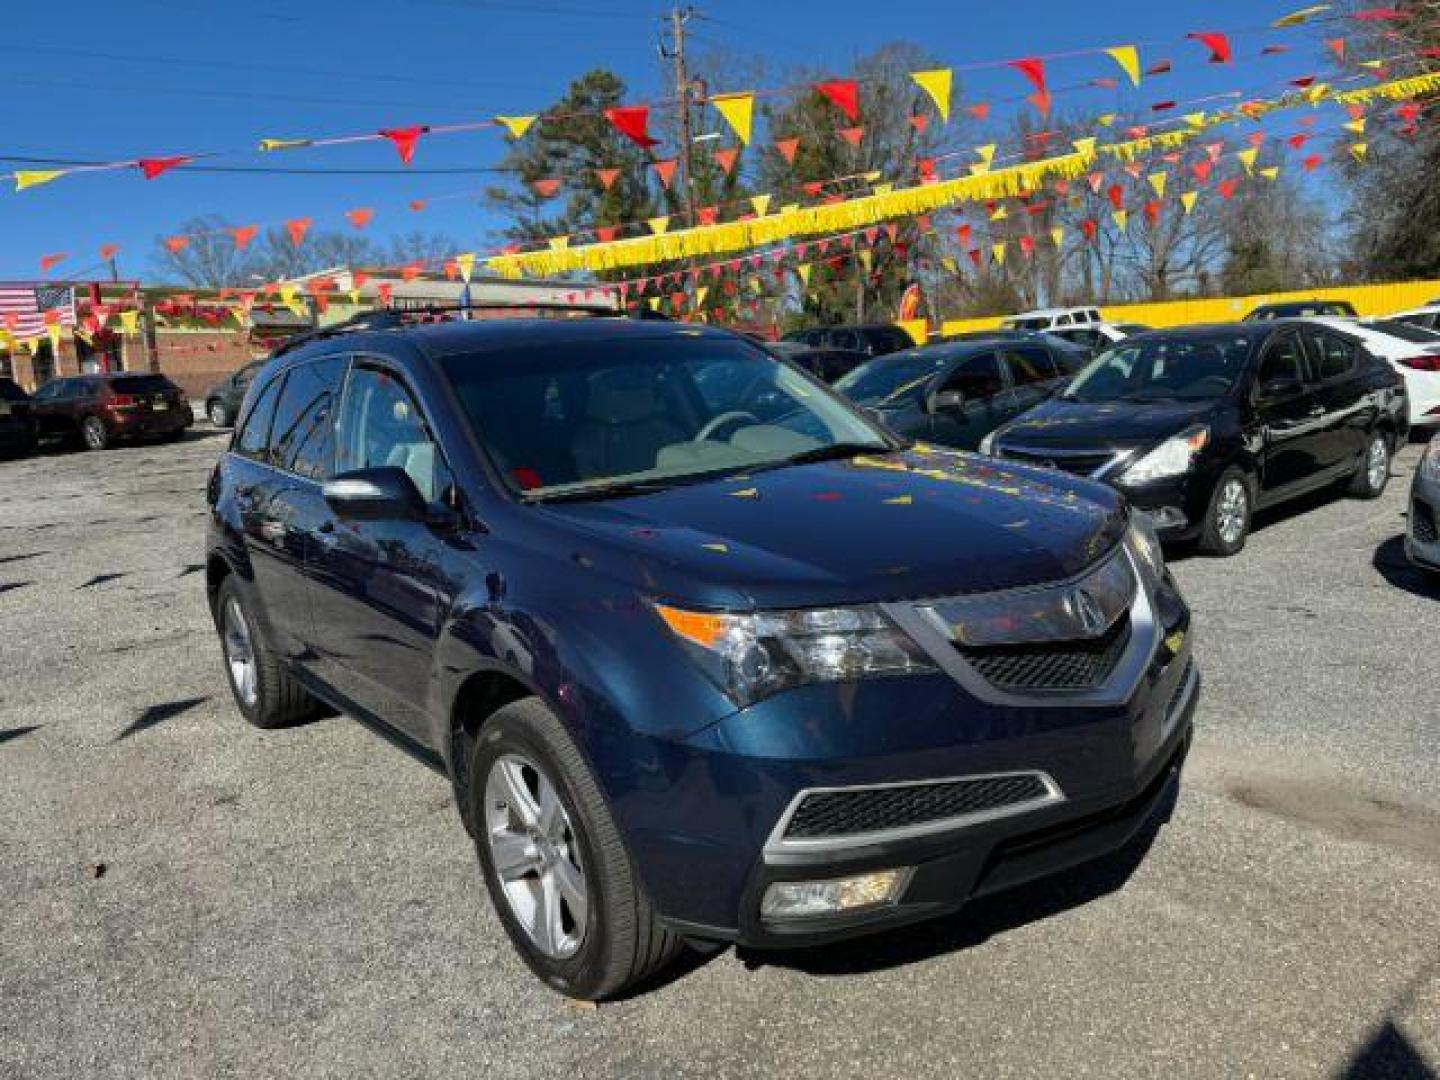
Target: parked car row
x,y
92,411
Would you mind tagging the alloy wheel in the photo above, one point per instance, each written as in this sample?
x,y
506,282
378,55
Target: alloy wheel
x,y
217,415
1232,510
93,431
1377,463
240,653
536,856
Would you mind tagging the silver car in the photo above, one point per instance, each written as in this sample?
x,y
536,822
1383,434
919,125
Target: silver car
x,y
1422,543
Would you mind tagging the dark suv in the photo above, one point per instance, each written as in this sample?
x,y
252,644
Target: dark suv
x,y
693,674
872,339
96,410
222,401
1202,426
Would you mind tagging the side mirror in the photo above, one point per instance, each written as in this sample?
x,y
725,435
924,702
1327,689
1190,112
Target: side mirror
x,y
1278,389
947,401
385,493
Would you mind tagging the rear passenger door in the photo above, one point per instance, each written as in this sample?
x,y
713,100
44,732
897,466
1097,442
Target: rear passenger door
x,y
1290,415
382,590
1338,375
1033,377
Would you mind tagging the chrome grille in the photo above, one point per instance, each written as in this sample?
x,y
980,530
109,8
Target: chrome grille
x,y
857,811
1051,666
1072,463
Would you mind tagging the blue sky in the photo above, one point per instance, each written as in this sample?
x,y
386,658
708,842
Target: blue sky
x,y
92,79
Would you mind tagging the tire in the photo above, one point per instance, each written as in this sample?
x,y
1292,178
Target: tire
x,y
218,414
1223,533
93,435
1373,472
617,941
271,697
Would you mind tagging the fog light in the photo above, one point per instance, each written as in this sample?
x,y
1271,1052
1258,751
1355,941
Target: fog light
x,y
804,899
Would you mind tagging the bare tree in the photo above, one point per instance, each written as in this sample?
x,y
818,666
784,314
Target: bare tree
x,y
209,259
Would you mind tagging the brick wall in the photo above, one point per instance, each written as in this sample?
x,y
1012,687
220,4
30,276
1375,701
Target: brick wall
x,y
196,361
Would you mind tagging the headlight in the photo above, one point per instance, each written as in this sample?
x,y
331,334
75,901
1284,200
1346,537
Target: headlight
x,y
1430,462
753,656
1145,545
1173,457
987,444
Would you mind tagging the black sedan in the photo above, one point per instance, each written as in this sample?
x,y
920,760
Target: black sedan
x,y
827,365
956,393
17,419
1203,426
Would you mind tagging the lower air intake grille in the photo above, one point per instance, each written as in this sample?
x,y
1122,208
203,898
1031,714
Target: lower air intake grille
x,y
1063,665
827,814
1422,522
1075,464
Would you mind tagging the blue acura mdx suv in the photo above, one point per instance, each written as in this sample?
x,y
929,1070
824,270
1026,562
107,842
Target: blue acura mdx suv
x,y
706,653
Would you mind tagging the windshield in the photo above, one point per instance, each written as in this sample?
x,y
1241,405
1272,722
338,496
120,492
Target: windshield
x,y
1415,335
645,413
893,379
1186,369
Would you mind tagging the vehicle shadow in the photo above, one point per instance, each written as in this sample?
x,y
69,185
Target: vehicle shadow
x,y
1397,569
1274,515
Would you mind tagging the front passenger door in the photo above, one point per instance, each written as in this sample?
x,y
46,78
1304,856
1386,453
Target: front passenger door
x,y
1290,416
983,408
1341,391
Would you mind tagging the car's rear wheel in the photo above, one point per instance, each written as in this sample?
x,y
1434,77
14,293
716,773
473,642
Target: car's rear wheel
x,y
93,433
1374,471
219,415
1227,519
555,866
266,694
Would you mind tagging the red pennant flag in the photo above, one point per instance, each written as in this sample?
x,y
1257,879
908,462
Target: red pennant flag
x,y
1227,188
974,256
666,171
416,205
1162,67
384,290
812,188
358,278
1201,169
919,121
153,167
1313,162
1089,227
411,270
962,234
788,148
980,110
1152,211
1027,246
545,188
726,159
49,262
297,228
852,135
452,269
1095,180
1116,195
607,177
108,251
177,244
242,235
1033,68
1337,46
633,122
926,167
1218,44
606,233
1409,112
1298,141
361,217
844,94
708,215
405,140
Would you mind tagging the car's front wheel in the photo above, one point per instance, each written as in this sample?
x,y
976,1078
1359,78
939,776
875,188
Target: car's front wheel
x,y
555,866
93,433
266,693
1227,519
1373,472
219,415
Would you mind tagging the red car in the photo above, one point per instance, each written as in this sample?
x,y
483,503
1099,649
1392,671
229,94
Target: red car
x,y
97,409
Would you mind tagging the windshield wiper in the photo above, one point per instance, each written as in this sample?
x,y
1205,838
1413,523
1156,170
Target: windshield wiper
x,y
602,491
841,451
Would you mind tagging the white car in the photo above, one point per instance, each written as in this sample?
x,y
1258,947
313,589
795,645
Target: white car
x,y
1411,350
1052,318
1427,317
1097,336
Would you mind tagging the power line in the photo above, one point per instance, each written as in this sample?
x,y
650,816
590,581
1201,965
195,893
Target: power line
x,y
281,170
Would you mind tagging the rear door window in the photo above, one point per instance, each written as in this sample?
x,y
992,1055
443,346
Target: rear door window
x,y
1028,366
1282,360
300,434
977,378
1331,356
253,438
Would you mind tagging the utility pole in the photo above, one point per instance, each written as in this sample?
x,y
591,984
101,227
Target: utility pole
x,y
675,53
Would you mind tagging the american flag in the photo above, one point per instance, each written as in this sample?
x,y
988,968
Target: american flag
x,y
23,305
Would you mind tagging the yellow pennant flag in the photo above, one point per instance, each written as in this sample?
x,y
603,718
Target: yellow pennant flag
x,y
997,252
804,271
466,262
1247,158
999,214
28,178
1106,119
918,329
1359,150
354,295
283,144
1057,235
1085,148
654,303
761,203
937,84
987,156
700,294
1196,120
1187,200
949,264
1357,126
54,332
738,111
658,225
1157,181
517,126
1317,93
1122,219
1128,57
129,321
756,287
1272,173
1295,18
288,293
866,260
561,243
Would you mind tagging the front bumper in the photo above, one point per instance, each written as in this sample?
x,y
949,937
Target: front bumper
x,y
1422,532
1176,507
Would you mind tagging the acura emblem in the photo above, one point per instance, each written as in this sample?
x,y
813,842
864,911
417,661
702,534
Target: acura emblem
x,y
1086,611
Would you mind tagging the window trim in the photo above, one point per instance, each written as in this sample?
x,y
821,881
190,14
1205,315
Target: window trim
x,y
289,369
252,401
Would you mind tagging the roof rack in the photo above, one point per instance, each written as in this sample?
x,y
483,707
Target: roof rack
x,y
397,318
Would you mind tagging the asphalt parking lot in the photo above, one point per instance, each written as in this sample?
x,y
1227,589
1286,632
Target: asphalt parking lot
x,y
182,895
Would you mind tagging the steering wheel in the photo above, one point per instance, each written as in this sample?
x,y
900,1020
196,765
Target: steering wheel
x,y
720,421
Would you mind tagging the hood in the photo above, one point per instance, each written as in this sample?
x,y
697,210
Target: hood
x,y
1103,426
921,523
